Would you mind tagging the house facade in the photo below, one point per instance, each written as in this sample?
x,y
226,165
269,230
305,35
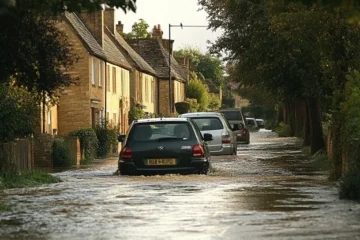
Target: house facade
x,y
155,51
143,78
103,89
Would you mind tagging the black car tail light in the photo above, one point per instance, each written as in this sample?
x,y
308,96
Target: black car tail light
x,y
244,132
126,153
198,151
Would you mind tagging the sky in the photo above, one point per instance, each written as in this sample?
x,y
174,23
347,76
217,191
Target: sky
x,y
174,12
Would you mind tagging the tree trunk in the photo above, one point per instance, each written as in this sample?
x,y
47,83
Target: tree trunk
x,y
316,133
337,150
307,138
43,112
291,118
280,114
300,118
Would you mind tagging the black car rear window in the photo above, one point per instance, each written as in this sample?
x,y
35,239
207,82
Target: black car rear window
x,y
208,123
232,115
154,131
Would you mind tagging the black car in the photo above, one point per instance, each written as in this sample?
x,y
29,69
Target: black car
x,y
164,145
235,117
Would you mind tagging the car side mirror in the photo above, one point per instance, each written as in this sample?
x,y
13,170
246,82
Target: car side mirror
x,y
121,138
208,137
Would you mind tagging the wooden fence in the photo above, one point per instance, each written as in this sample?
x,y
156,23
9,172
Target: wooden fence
x,y
20,154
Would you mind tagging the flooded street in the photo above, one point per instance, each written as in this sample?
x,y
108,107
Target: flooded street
x,y
268,191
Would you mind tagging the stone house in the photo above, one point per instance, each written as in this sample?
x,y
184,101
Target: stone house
x,y
143,79
155,51
103,73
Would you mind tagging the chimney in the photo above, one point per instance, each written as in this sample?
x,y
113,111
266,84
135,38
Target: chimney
x,y
109,19
94,22
157,33
120,28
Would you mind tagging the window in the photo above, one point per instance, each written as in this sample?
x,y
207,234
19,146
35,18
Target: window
x,y
107,116
114,80
92,71
123,82
146,89
100,74
114,119
208,123
164,131
152,91
108,78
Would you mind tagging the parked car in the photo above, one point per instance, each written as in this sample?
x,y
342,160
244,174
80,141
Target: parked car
x,y
224,139
235,117
164,145
251,123
260,123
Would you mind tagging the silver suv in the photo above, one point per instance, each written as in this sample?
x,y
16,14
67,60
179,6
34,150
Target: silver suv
x,y
224,139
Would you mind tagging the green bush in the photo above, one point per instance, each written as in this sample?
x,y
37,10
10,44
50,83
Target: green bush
x,y
182,107
28,179
136,112
61,153
193,104
107,138
88,143
3,207
214,102
350,119
19,112
350,184
199,91
283,130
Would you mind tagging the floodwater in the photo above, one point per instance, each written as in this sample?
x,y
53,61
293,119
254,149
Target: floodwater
x,y
268,191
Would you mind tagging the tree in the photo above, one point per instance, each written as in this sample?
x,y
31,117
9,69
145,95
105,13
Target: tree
x,y
139,30
59,6
293,51
18,112
195,89
204,65
34,51
37,55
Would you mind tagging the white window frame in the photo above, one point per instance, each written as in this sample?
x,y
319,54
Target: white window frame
x,y
100,74
92,71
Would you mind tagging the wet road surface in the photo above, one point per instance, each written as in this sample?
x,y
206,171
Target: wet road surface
x,y
268,191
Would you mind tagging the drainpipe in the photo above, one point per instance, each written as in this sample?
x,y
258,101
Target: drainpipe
x,y
158,95
105,86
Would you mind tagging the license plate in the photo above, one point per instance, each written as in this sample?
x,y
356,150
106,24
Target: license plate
x,y
162,161
239,134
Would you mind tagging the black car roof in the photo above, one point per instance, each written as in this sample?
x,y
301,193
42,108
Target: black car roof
x,y
153,120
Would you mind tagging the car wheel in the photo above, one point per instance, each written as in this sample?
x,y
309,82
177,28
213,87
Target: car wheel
x,y
205,170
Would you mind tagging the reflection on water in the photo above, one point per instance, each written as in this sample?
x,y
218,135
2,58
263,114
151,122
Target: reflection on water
x,y
267,191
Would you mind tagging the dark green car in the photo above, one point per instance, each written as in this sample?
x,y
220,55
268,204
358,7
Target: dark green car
x,y
164,145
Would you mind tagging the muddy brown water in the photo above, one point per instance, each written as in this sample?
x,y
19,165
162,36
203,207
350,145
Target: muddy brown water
x,y
268,191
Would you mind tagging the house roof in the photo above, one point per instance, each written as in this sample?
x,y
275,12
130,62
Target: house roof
x,y
113,54
153,52
89,41
211,86
109,53
132,56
